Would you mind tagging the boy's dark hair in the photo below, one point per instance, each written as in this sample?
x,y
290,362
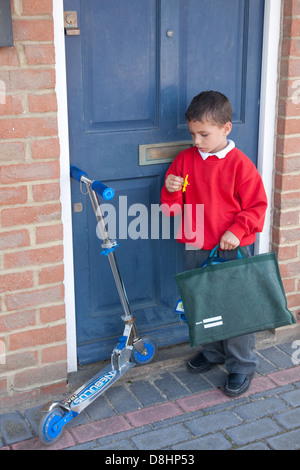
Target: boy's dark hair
x,y
210,106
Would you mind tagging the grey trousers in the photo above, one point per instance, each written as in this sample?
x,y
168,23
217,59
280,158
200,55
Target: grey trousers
x,y
236,353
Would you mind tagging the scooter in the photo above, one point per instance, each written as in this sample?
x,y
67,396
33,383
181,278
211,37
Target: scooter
x,y
131,350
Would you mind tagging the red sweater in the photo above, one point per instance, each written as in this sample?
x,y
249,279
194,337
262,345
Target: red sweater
x,y
230,190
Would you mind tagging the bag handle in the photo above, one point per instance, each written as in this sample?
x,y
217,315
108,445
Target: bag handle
x,y
212,255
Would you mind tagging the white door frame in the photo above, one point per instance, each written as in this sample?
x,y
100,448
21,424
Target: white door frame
x,y
266,148
65,186
268,112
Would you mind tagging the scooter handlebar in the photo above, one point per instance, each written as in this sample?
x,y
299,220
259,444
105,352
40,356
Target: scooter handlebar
x,y
104,191
76,173
100,188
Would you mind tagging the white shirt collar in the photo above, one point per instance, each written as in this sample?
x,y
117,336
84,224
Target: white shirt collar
x,y
222,153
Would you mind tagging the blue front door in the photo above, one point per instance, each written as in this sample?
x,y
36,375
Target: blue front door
x,y
131,74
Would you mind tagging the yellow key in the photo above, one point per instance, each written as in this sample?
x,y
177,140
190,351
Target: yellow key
x,y
185,184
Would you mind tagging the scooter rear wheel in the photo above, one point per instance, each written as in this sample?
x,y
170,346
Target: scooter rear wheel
x,y
48,431
151,348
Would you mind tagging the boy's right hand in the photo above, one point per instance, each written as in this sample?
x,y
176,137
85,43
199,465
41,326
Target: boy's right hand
x,y
174,183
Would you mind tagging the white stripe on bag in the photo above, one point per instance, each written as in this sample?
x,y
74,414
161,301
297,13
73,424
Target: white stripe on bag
x,y
211,322
210,325
208,320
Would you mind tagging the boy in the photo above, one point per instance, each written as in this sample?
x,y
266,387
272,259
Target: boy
x,y
219,176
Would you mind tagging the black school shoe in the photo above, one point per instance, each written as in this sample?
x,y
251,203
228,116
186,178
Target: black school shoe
x,y
199,364
237,384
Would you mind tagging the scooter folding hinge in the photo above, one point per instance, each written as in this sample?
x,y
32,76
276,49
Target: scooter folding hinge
x,y
128,319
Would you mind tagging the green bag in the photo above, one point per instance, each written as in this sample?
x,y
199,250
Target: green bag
x,y
233,298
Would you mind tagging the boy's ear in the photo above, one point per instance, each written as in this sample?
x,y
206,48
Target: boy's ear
x,y
228,127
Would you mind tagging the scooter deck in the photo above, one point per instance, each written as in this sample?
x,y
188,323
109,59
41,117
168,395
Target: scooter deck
x,y
94,387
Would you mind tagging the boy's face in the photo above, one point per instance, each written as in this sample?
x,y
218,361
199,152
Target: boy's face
x,y
207,137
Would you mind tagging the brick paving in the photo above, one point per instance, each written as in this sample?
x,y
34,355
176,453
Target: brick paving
x,y
167,408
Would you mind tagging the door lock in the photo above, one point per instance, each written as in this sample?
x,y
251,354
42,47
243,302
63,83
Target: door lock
x,y
70,23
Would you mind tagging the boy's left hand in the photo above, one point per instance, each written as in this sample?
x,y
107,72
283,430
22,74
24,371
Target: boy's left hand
x,y
229,241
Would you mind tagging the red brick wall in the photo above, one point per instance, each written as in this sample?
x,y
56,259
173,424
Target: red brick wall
x,y
32,320
286,222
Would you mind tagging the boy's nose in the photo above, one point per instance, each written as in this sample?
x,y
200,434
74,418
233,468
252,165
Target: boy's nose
x,y
197,140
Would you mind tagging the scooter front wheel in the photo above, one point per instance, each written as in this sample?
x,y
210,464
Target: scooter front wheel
x,y
49,432
143,359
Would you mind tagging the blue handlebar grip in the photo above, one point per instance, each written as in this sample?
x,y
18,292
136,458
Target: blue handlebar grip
x,y
104,191
76,173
